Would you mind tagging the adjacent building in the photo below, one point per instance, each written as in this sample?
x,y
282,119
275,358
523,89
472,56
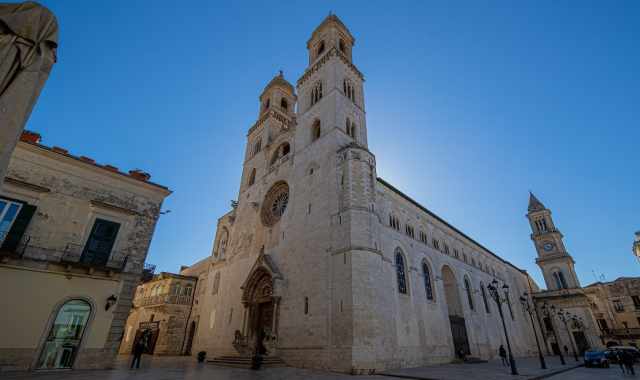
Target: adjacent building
x,y
74,235
616,307
162,306
325,265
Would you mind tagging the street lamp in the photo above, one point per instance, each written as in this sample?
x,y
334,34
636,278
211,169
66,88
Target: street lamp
x,y
529,308
548,313
495,294
565,316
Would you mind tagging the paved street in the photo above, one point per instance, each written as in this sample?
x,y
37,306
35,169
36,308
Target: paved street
x,y
595,374
175,368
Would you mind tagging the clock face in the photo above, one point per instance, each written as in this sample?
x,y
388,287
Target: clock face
x,y
548,246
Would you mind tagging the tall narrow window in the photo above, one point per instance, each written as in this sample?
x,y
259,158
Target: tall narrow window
x,y
467,288
316,131
561,283
306,305
252,177
320,48
341,46
100,242
400,272
284,104
484,298
427,281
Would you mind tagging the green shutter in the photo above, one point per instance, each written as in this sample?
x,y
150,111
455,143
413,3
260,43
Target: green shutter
x,y
18,228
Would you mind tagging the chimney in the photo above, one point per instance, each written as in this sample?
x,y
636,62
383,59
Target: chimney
x,y
140,175
30,137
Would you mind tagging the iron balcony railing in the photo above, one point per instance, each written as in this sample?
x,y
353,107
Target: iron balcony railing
x,y
32,248
163,299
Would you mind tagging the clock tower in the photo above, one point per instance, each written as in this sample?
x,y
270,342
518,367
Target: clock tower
x,y
553,259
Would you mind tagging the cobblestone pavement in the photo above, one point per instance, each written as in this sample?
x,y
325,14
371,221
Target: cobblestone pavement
x,y
596,374
178,368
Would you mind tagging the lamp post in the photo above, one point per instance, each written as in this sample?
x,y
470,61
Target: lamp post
x,y
495,294
548,313
565,316
529,308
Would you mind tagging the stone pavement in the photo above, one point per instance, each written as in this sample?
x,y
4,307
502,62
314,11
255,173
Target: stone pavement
x,y
528,368
178,368
583,373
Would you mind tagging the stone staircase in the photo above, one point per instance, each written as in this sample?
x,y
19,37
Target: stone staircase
x,y
245,361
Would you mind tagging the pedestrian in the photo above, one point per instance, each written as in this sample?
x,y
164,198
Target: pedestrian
x,y
620,360
566,350
503,355
462,354
628,359
138,349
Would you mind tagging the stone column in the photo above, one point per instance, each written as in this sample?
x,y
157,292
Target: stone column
x,y
28,43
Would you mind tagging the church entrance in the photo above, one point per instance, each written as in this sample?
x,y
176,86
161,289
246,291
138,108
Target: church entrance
x,y
259,333
456,316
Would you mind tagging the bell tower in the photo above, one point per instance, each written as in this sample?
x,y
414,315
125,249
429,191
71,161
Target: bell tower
x,y
331,94
553,259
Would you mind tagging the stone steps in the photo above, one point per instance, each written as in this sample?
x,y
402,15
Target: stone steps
x,y
245,361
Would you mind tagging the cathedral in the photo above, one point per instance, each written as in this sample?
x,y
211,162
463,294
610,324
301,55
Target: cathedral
x,y
323,264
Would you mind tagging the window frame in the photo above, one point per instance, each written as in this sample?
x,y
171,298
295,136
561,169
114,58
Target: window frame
x,y
401,271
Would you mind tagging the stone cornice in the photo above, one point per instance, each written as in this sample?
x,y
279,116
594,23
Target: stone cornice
x,y
26,185
324,59
288,121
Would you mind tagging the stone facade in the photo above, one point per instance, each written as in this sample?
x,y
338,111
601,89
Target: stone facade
x,y
162,305
324,264
75,249
616,307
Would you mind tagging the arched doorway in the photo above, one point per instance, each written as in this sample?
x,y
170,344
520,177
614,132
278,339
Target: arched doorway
x,y
456,315
259,301
65,335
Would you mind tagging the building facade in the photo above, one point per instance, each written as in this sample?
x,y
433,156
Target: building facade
x,y
616,307
163,306
564,307
73,239
324,264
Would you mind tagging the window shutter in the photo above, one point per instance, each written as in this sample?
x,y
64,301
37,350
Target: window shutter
x,y
18,228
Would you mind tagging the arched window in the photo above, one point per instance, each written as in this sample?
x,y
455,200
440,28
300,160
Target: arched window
x,y
349,90
284,104
400,272
282,151
561,283
266,104
315,130
64,338
222,243
341,46
427,281
484,298
468,290
187,290
257,147
252,177
316,93
320,48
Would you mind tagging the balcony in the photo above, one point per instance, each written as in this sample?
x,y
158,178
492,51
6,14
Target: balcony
x,y
629,333
69,255
163,299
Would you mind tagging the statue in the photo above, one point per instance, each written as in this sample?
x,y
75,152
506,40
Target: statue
x,y
28,42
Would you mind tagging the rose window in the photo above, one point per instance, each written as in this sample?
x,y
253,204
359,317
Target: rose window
x,y
275,203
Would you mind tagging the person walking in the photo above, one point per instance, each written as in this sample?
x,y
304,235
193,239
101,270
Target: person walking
x,y
620,360
628,359
503,355
138,349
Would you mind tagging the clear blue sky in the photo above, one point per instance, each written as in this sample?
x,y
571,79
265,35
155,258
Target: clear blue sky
x,y
469,106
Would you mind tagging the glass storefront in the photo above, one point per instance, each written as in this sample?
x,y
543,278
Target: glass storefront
x,y
63,341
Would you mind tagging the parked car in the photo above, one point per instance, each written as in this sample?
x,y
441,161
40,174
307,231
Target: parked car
x,y
611,353
596,358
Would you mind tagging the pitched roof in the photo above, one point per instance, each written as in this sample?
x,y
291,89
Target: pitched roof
x,y
332,19
534,203
279,80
